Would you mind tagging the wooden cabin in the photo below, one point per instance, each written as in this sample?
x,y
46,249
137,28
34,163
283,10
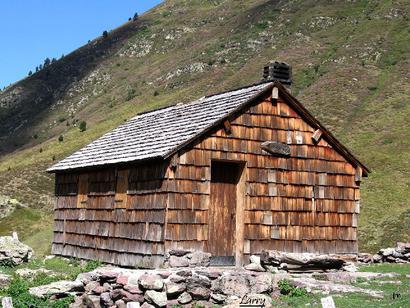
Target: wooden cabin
x,y
231,174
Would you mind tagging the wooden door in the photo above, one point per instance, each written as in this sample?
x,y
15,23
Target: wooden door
x,y
222,218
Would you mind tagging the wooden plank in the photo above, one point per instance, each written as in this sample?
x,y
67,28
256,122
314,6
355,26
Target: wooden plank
x,y
82,190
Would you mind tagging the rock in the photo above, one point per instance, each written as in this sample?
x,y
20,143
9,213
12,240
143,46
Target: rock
x,y
199,258
157,298
199,287
178,252
116,294
130,297
300,262
178,261
350,267
58,289
108,277
184,298
106,299
4,280
254,267
91,301
255,259
174,289
121,304
30,273
78,302
261,284
386,252
184,273
231,284
172,303
165,274
177,278
377,258
146,305
134,305
14,252
133,289
91,286
365,258
218,298
403,248
122,280
151,282
8,205
211,274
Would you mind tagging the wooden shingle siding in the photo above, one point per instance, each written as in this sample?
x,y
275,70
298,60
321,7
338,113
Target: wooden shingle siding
x,y
279,209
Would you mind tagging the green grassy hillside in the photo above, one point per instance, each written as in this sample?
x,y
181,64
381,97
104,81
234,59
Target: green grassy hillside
x,y
351,63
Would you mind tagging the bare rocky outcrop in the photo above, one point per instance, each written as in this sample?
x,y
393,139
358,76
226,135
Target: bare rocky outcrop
x,y
13,252
398,254
8,205
301,262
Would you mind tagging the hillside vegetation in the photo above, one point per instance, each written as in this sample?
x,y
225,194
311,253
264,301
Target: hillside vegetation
x,y
351,64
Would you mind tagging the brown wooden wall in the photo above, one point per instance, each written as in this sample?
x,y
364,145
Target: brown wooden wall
x,y
308,202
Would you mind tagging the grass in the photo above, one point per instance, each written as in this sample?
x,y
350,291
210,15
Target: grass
x,y
359,300
63,269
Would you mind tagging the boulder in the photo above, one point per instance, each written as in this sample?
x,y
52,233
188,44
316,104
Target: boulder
x,y
14,252
231,284
157,298
365,258
120,304
91,286
4,280
106,299
199,258
146,305
211,274
178,261
177,278
218,298
386,252
8,205
301,262
178,252
91,301
184,298
174,289
59,289
130,297
133,289
134,305
199,287
151,282
261,284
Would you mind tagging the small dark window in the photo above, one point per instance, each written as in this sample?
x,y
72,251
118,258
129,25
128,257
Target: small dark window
x,y
66,184
147,177
102,182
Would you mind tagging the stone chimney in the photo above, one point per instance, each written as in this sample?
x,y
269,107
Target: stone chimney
x,y
279,71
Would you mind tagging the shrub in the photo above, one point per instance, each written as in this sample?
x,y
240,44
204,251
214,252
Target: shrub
x,y
287,288
83,126
30,73
105,34
61,138
135,16
156,93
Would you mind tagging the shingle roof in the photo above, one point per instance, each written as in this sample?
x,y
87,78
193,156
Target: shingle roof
x,y
158,133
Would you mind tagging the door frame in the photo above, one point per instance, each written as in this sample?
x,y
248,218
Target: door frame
x,y
239,208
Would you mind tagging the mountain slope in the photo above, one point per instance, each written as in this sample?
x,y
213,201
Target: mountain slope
x,y
351,63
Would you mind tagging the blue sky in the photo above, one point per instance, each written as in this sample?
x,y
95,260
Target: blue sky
x,y
32,30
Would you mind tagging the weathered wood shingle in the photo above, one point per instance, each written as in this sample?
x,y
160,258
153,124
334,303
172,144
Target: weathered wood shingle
x,y
156,134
